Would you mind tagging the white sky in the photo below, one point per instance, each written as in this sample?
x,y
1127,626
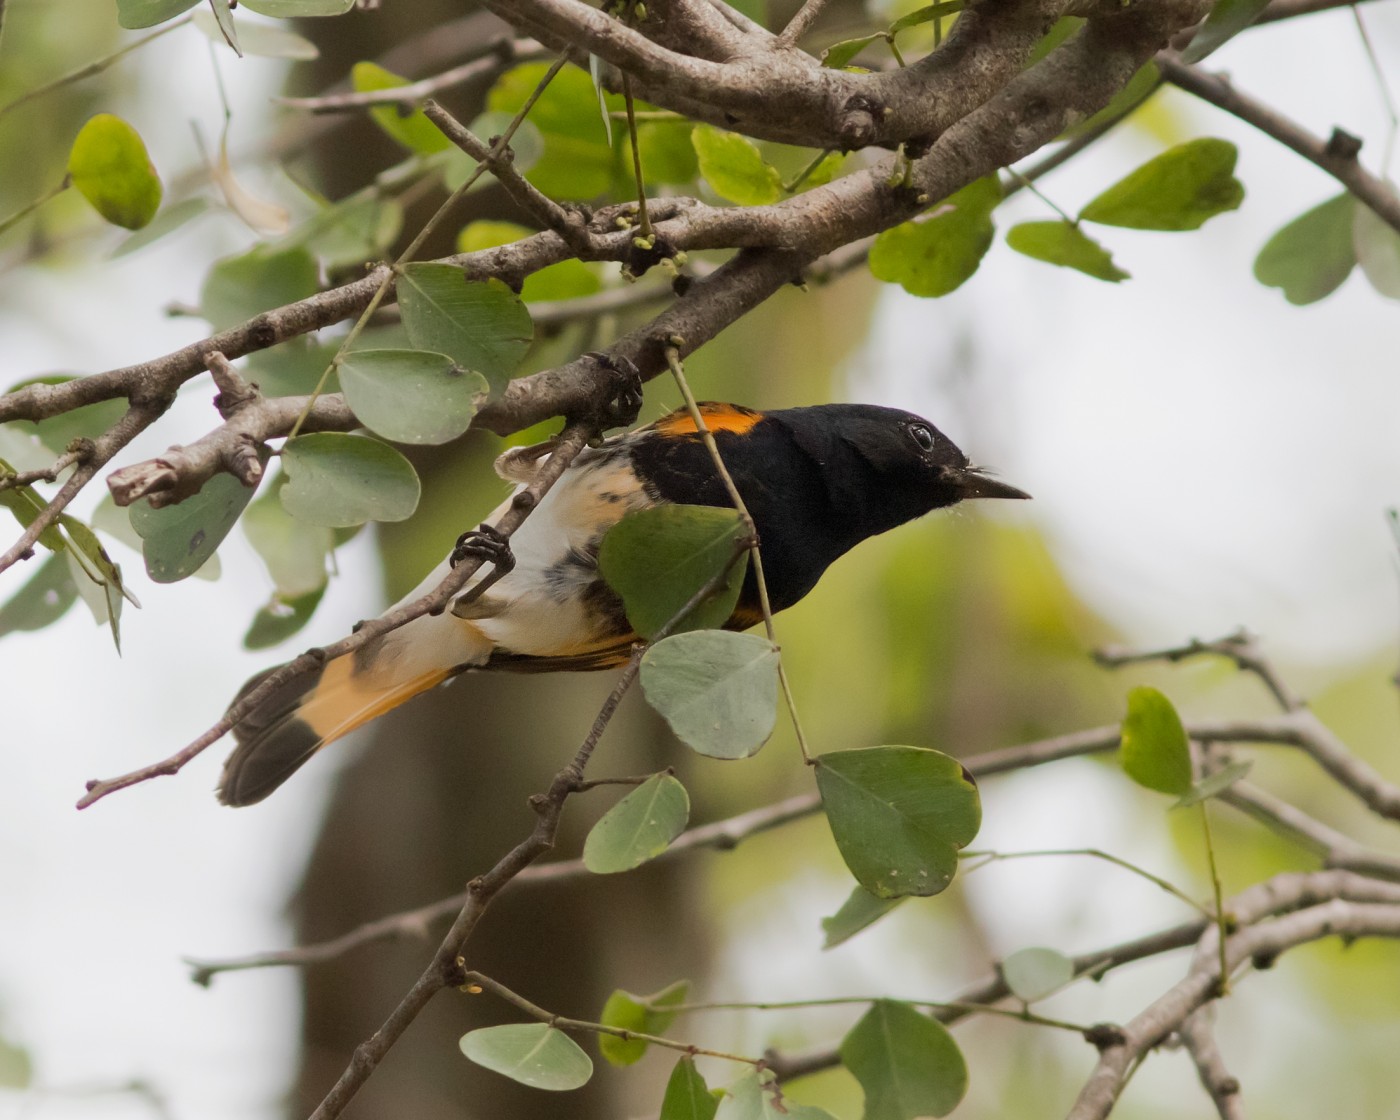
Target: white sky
x,y
1202,455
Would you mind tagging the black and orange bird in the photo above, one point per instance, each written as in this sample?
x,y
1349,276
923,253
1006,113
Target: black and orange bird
x,y
817,481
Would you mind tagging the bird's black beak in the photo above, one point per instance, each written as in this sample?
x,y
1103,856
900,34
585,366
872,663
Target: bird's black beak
x,y
971,482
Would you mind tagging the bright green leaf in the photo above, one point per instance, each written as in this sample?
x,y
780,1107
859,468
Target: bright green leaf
x,y
413,130
411,396
44,599
133,14
1216,784
668,155
534,1054
657,559
641,1015
733,166
1223,22
718,690
1180,189
908,1064
577,162
336,480
238,288
480,324
899,816
1312,255
926,15
687,1095
297,9
280,617
1154,751
109,166
1377,246
933,256
563,280
1064,244
839,55
639,827
262,40
1033,974
178,539
860,910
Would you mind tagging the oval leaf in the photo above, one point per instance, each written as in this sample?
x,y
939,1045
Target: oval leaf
x,y
1033,974
908,1064
534,1054
1154,751
899,816
933,256
339,480
109,166
641,1014
294,552
238,288
178,539
733,166
411,396
717,690
639,827
413,130
1180,189
576,161
280,618
861,909
687,1095
480,324
1310,256
1065,244
658,559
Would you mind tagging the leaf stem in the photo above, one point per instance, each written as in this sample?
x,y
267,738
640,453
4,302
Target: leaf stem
x,y
1220,919
1096,853
673,360
643,219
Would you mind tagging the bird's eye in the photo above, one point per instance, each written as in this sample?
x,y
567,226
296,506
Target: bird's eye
x,y
922,436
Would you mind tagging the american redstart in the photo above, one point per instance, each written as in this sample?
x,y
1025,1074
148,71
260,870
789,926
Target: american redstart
x,y
817,482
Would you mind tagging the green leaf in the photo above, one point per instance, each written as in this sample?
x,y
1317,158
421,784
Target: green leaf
x,y
668,154
639,827
355,229
280,618
337,480
755,1097
908,1064
1312,255
733,166
641,1015
527,145
261,39
933,256
411,396
899,816
687,1095
1033,974
293,551
178,539
224,31
16,1069
657,559
1223,22
411,129
534,1054
861,909
1154,751
1377,247
718,690
293,368
1065,244
1216,784
563,280
26,504
480,324
1180,189
133,14
839,55
167,221
926,15
43,600
238,288
595,72
296,9
577,163
104,577
109,166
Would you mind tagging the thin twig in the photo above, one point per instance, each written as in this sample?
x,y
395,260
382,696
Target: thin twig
x,y
1241,647
1197,1034
800,23
76,454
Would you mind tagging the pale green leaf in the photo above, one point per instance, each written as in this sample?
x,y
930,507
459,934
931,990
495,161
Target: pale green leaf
x,y
134,14
178,539
639,827
1225,20
339,480
717,690
411,396
263,40
534,1054
238,288
1033,974
480,324
1312,255
1377,246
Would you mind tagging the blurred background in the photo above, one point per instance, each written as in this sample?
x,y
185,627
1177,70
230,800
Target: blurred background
x,y
1202,455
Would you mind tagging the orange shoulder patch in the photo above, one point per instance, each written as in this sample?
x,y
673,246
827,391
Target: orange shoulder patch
x,y
718,416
